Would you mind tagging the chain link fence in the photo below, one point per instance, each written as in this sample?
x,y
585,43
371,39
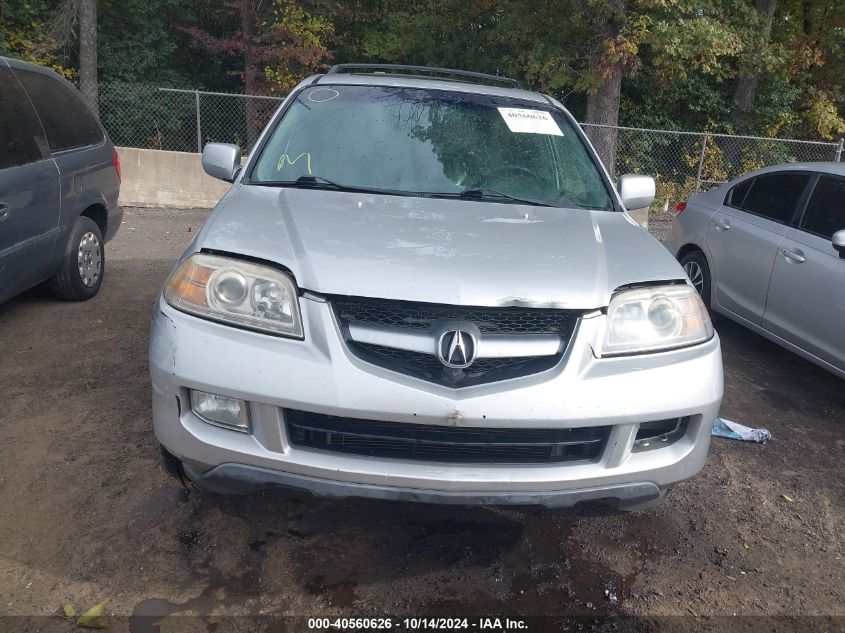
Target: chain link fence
x,y
682,163
150,117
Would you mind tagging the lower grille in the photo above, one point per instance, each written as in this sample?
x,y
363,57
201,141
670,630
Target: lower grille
x,y
444,443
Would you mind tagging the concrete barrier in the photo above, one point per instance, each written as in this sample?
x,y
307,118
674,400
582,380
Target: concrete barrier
x,y
157,178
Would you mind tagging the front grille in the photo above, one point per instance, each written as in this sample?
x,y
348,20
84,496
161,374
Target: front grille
x,y
444,443
422,316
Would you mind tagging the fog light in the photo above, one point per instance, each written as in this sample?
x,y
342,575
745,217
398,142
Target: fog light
x,y
221,410
659,433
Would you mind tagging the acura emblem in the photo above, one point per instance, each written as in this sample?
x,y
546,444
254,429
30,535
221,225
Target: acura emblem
x,y
457,349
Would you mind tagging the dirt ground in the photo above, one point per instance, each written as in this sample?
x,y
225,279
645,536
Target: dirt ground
x,y
87,513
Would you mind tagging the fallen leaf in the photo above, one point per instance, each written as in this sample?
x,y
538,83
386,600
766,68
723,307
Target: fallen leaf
x,y
788,498
70,611
87,618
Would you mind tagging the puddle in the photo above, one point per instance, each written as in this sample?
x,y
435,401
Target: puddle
x,y
221,592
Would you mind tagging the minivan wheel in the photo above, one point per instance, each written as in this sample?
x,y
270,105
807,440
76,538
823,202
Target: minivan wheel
x,y
83,263
695,266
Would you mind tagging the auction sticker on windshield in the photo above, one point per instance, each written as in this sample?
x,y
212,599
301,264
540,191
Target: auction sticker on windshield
x,y
530,121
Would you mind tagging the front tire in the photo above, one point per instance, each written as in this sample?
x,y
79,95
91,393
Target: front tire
x,y
81,272
695,266
173,467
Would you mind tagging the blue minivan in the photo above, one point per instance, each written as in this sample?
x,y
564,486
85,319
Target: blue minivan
x,y
59,182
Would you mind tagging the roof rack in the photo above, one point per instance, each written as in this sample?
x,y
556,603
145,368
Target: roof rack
x,y
449,74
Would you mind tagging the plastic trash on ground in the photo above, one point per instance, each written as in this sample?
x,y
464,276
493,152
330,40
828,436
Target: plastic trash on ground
x,y
735,431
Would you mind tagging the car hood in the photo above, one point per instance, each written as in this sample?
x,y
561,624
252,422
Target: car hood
x,y
458,252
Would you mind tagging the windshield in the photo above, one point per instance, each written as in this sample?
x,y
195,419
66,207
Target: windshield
x,y
425,142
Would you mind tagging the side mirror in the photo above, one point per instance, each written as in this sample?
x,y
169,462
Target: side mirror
x,y
838,241
636,191
221,160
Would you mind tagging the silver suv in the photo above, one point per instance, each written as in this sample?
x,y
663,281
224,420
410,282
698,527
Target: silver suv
x,y
423,286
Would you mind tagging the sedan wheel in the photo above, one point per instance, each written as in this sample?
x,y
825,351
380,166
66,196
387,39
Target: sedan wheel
x,y
696,275
695,266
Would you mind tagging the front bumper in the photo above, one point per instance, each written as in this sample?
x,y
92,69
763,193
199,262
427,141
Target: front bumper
x,y
319,375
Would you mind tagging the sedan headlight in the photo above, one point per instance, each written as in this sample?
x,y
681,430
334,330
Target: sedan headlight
x,y
655,318
236,292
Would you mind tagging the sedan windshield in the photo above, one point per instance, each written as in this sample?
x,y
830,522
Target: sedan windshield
x,y
425,142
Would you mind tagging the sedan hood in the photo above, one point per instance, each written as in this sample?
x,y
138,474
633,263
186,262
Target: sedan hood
x,y
457,252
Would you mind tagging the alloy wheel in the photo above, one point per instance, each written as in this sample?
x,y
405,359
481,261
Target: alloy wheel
x,y
696,275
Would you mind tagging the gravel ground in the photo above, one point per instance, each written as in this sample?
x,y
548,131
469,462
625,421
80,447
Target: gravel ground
x,y
88,513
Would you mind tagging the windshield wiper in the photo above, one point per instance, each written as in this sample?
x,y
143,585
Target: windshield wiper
x,y
482,193
318,182
305,181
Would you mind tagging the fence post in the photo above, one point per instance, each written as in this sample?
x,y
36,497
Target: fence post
x,y
199,127
838,157
700,164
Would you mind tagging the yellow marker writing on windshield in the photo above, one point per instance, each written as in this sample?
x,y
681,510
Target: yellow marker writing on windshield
x,y
285,159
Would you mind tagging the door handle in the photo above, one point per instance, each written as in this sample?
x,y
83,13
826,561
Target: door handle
x,y
4,211
722,225
792,254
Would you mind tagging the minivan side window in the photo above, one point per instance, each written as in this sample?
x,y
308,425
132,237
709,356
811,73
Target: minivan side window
x,y
775,196
21,137
66,120
737,194
825,214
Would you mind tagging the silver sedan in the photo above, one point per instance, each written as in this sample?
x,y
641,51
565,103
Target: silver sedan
x,y
767,250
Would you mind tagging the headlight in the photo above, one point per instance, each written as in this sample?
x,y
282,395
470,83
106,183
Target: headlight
x,y
236,292
657,318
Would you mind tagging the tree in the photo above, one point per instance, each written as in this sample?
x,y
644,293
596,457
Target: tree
x,y
88,52
37,31
137,44
810,38
745,89
767,67
279,42
608,59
